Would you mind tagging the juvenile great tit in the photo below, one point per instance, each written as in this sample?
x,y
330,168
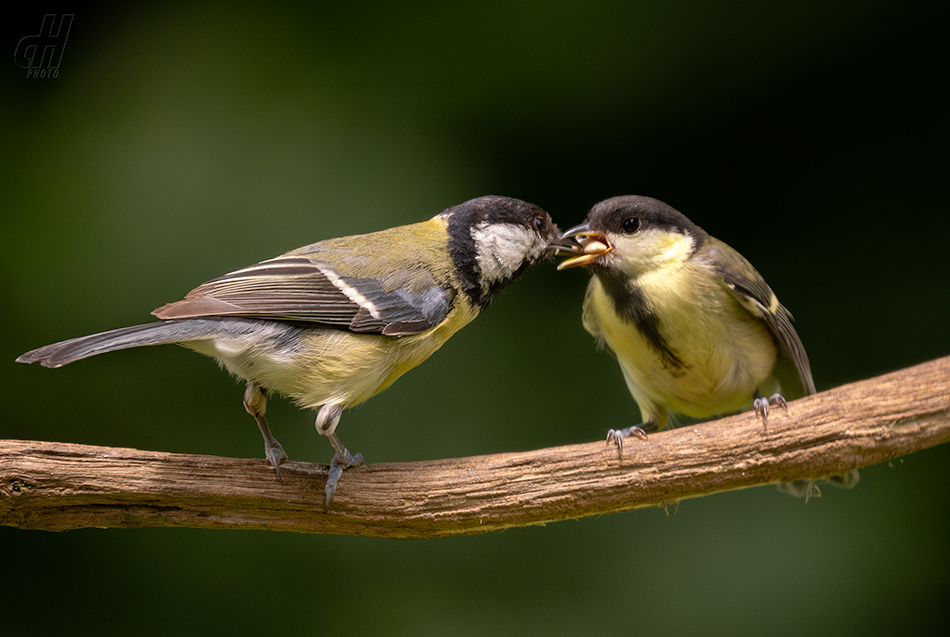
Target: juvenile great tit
x,y
334,323
696,329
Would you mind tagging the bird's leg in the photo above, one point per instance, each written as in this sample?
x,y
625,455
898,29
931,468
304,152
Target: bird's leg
x,y
327,420
640,431
762,405
255,402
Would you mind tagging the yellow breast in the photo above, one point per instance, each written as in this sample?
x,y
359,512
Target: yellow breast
x,y
725,351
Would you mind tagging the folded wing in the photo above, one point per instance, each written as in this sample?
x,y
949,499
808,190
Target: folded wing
x,y
300,289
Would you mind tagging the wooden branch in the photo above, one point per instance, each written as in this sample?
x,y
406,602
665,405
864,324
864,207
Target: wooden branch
x,y
57,486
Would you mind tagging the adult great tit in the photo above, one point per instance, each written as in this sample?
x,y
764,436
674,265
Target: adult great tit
x,y
696,329
334,323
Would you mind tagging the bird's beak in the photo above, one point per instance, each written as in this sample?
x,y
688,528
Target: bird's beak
x,y
586,244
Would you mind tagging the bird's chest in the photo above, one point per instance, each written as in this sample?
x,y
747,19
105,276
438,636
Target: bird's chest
x,y
685,341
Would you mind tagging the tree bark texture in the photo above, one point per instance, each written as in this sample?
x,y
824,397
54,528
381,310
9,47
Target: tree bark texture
x,y
58,486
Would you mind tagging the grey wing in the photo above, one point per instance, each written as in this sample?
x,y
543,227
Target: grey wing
x,y
756,296
295,288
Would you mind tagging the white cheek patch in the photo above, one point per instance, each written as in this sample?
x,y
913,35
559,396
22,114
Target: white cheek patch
x,y
502,248
653,250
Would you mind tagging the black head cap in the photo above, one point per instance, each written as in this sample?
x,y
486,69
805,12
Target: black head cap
x,y
467,221
630,213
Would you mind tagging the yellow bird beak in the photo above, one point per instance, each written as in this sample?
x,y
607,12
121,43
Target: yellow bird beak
x,y
588,245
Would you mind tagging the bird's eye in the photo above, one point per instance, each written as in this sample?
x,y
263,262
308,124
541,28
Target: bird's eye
x,y
539,224
631,225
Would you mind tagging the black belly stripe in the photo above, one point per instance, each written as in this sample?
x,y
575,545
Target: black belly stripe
x,y
633,307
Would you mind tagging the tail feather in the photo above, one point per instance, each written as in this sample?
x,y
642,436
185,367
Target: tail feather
x,y
65,352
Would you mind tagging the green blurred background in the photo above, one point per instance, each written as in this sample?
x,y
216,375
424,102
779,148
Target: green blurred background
x,y
181,142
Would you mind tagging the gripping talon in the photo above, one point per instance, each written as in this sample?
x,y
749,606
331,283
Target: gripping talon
x,y
762,409
276,456
762,405
617,435
337,465
637,431
778,400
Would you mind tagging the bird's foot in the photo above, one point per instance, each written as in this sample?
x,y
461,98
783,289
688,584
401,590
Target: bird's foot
x,y
616,436
275,455
762,405
337,465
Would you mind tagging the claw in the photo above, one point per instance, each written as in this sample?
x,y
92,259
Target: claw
x,y
276,456
762,405
337,465
777,400
762,410
617,435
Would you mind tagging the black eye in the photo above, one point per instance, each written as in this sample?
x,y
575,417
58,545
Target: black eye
x,y
539,223
631,225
